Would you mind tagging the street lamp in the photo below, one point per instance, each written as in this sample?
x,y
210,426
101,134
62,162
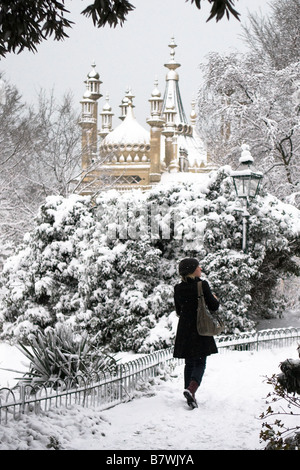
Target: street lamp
x,y
246,183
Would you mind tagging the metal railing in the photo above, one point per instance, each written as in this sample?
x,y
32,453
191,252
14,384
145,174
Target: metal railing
x,y
258,340
111,387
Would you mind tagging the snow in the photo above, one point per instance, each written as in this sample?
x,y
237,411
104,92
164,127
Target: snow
x,y
233,392
284,212
230,399
129,133
182,177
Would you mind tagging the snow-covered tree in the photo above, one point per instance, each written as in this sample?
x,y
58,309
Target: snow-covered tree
x,y
244,99
39,156
56,153
275,38
254,98
109,268
283,401
15,149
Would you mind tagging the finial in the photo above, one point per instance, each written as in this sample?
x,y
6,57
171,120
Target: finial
x,y
106,106
172,46
93,73
129,110
125,101
129,94
155,92
172,64
172,43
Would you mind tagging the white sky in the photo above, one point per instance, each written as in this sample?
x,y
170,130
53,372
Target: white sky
x,y
132,55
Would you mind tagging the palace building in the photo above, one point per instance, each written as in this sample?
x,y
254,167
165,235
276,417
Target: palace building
x,y
131,156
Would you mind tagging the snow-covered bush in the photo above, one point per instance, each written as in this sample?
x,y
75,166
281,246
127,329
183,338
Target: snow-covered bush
x,y
59,353
284,399
108,266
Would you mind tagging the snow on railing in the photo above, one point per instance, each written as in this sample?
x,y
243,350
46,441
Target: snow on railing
x,y
111,387
257,340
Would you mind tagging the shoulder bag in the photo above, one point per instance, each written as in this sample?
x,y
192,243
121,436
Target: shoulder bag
x,y
208,324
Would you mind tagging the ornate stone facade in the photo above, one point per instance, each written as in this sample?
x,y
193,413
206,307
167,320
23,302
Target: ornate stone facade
x,y
130,156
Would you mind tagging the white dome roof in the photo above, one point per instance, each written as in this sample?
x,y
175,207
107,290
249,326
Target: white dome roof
x,y
129,132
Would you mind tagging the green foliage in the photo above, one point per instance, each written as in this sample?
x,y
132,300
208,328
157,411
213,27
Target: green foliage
x,y
219,9
24,24
54,443
108,12
58,353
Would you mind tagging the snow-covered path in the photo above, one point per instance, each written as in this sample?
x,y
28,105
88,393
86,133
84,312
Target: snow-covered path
x,y
231,398
230,401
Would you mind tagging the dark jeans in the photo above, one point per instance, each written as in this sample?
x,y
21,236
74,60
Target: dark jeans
x,y
194,370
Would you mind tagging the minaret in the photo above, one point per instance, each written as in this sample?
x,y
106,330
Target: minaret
x,y
156,123
106,115
172,110
88,120
128,98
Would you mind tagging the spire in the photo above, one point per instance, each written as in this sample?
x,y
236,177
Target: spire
x,y
93,83
172,87
93,73
156,103
125,101
89,116
130,96
172,64
90,97
156,93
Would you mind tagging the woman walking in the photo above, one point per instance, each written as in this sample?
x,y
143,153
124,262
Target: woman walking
x,y
189,345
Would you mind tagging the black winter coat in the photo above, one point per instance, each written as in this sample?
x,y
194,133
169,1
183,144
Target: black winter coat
x,y
188,343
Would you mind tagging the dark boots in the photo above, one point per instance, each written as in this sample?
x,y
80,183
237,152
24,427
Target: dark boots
x,y
189,394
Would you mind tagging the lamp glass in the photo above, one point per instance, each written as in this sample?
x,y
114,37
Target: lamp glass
x,y
247,184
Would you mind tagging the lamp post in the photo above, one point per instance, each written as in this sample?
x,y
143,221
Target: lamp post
x,y
246,183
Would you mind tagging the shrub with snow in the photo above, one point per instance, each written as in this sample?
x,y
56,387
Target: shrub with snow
x,y
108,267
58,353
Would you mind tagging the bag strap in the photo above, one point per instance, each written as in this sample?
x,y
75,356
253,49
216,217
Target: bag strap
x,y
200,290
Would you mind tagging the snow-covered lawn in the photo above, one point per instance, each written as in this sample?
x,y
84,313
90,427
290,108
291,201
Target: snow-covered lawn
x,y
231,398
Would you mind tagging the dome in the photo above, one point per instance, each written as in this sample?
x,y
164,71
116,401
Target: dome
x,y
156,93
87,95
128,132
93,74
106,106
129,139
